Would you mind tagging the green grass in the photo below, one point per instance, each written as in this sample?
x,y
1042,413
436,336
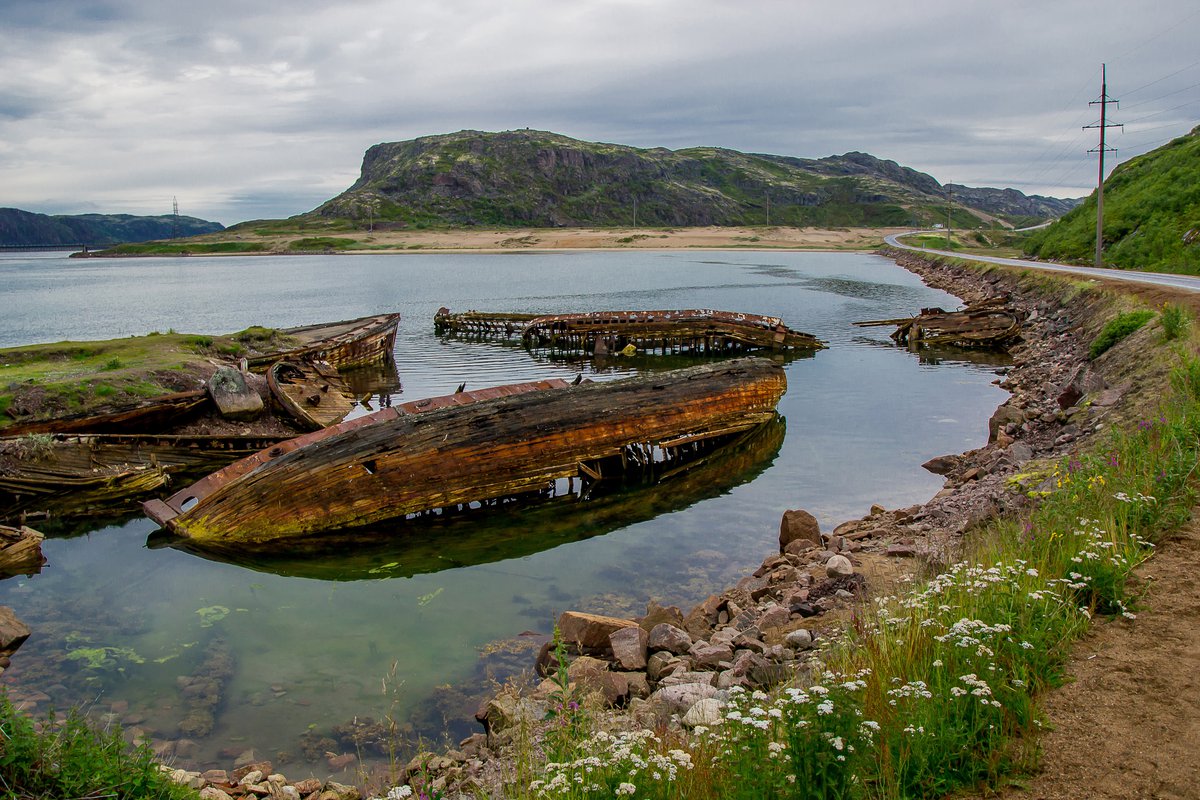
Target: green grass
x,y
184,248
322,243
71,759
1117,329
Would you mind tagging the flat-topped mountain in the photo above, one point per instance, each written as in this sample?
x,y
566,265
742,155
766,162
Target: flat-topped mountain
x,y
542,179
19,227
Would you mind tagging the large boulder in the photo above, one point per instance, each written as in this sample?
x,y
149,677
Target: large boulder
x,y
589,631
629,647
234,398
668,637
798,524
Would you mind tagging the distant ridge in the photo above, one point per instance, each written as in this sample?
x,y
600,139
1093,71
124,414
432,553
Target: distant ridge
x,y
1151,214
20,228
543,179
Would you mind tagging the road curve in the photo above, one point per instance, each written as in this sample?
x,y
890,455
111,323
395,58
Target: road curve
x,y
1185,282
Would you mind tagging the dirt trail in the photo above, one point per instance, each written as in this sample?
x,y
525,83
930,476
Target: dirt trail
x,y
1128,726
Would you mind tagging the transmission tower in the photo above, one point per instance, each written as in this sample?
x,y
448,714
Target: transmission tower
x,y
1104,124
174,217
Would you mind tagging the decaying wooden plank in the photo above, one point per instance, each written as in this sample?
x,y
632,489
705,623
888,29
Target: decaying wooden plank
x,y
459,455
20,551
342,344
986,324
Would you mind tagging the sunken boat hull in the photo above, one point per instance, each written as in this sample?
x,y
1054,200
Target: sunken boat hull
x,y
486,450
352,342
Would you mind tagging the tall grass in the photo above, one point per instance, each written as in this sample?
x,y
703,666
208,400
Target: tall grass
x,y
72,759
935,690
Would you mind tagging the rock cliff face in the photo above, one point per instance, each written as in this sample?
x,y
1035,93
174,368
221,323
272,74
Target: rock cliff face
x,y
19,227
536,178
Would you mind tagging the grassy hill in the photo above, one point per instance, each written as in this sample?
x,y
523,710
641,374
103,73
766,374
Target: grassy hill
x,y
541,179
19,227
1151,215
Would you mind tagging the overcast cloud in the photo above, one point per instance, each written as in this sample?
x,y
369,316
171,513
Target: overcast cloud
x,y
256,109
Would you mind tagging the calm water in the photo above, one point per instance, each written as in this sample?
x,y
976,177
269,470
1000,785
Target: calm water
x,y
398,629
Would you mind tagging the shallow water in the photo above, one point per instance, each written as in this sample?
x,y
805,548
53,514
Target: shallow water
x,y
376,631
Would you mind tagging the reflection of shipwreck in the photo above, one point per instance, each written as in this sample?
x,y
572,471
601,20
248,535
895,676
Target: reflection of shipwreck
x,y
513,528
603,332
986,324
372,469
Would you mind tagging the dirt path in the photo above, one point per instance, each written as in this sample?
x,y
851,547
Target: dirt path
x,y
1128,726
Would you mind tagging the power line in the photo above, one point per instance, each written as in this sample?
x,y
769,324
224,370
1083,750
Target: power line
x,y
1161,96
1163,78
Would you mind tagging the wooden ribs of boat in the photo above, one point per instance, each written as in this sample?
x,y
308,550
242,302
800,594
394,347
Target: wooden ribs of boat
x,y
312,392
687,330
154,413
20,551
342,344
459,455
986,324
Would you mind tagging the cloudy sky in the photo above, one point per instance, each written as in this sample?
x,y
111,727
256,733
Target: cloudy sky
x,y
246,109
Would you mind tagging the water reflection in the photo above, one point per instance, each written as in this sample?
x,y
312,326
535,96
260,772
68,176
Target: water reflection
x,y
500,532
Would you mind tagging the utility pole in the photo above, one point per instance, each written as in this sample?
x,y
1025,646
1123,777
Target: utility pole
x,y
1103,124
949,209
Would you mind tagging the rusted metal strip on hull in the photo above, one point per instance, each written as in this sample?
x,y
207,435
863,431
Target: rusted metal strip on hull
x,y
455,456
342,344
163,511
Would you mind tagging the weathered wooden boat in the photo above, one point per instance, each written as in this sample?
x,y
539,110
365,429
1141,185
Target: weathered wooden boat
x,y
85,474
311,392
152,414
669,331
500,530
456,456
342,344
20,551
986,324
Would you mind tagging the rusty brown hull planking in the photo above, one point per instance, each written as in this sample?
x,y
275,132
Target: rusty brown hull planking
x,y
666,331
342,344
458,456
155,413
985,324
312,393
20,551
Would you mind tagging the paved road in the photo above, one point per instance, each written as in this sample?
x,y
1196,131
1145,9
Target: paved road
x,y
1185,282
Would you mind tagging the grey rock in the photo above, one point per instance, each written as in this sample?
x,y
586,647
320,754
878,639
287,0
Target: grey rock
x,y
629,647
799,639
678,699
665,636
839,567
233,398
703,712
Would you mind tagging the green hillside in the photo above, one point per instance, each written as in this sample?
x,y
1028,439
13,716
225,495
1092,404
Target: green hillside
x,y
20,228
541,179
1151,215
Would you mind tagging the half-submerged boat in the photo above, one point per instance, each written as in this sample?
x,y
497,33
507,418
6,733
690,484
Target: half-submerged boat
x,y
600,332
312,392
356,474
985,324
342,344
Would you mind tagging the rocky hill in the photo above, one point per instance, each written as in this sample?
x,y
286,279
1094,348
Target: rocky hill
x,y
19,227
541,179
1151,214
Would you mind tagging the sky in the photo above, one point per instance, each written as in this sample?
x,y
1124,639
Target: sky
x,y
263,108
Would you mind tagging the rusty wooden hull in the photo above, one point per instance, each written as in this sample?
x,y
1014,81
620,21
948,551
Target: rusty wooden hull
x,y
457,456
156,413
312,393
508,529
985,324
598,332
20,551
342,344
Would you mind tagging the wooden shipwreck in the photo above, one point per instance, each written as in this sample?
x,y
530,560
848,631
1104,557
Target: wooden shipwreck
x,y
986,324
341,344
311,392
602,332
515,528
413,463
20,551
88,474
